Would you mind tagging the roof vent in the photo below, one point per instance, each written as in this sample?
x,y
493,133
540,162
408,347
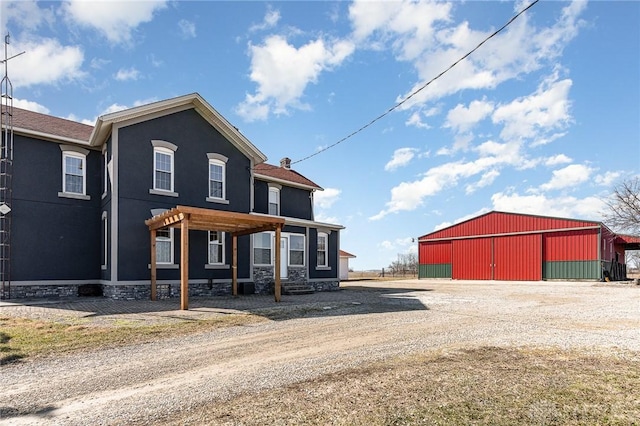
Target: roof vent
x,y
285,163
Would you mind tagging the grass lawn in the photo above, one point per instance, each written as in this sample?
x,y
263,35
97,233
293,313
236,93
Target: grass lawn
x,y
484,386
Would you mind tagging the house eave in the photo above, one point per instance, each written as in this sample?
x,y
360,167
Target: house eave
x,y
287,182
50,137
304,222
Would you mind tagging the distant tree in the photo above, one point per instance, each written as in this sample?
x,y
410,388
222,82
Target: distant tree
x,y
624,207
406,264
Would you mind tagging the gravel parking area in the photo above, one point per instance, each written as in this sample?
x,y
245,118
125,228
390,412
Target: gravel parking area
x,y
307,336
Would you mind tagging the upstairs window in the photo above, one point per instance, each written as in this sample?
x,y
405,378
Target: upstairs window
x,y
216,248
74,176
322,249
163,168
217,178
274,200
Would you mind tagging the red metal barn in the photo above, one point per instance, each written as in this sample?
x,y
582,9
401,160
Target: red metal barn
x,y
510,246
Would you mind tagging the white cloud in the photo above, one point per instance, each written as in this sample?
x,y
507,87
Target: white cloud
x,y
421,32
47,62
486,180
127,74
545,110
607,179
283,71
187,29
557,159
116,20
26,14
321,217
539,204
271,19
569,176
407,196
401,157
325,199
86,121
415,119
30,105
463,119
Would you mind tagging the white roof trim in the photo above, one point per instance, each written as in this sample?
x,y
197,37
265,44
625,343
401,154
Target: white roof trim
x,y
49,136
104,123
303,222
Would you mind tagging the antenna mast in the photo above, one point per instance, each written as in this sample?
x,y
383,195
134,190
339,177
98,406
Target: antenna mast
x,y
6,173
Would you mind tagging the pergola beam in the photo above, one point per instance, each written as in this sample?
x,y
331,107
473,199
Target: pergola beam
x,y
195,218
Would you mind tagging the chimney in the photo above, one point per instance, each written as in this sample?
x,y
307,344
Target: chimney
x,y
285,163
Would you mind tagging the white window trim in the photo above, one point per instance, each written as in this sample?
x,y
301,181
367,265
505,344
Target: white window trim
x,y
170,149
271,248
221,244
80,153
275,189
105,230
326,250
105,177
304,250
218,160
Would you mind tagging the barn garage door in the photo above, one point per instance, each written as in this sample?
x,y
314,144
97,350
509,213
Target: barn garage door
x,y
518,257
472,259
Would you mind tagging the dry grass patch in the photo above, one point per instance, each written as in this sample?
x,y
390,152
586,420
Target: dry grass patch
x,y
483,386
23,338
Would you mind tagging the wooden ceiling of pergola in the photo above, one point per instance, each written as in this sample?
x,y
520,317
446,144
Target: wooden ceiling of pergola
x,y
196,218
214,220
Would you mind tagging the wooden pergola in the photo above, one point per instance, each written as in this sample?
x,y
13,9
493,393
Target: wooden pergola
x,y
237,224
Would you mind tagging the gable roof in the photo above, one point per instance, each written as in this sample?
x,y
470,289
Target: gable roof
x,y
496,222
346,254
280,174
49,127
105,123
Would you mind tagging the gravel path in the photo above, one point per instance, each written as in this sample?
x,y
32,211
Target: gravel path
x,y
326,333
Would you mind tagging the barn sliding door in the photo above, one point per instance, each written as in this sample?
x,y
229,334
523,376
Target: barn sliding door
x,y
472,259
518,257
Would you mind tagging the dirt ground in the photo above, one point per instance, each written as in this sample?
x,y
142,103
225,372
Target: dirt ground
x,y
305,338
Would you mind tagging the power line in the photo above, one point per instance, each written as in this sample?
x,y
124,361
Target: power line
x,y
396,106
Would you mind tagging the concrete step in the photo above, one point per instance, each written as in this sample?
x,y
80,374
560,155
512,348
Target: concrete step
x,y
297,288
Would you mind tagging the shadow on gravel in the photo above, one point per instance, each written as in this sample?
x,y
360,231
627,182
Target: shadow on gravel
x,y
351,300
42,412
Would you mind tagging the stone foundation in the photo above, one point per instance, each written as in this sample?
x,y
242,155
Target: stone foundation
x,y
325,285
40,291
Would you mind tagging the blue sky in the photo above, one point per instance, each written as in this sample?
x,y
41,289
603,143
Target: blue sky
x,y
544,118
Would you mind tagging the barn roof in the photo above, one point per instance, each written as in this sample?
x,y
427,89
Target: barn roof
x,y
496,222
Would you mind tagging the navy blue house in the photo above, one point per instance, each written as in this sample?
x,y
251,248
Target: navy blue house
x,y
82,197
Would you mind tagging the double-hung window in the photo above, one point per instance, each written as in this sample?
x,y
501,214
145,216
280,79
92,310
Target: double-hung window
x,y
274,201
74,174
164,246
262,248
163,168
322,249
217,178
296,250
216,248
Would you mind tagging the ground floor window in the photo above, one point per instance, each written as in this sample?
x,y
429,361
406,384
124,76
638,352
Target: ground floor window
x,y
262,248
216,248
296,250
164,246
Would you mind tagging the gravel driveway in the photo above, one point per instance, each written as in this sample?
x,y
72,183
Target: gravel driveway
x,y
324,332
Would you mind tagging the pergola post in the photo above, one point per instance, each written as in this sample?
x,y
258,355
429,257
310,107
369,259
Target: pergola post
x,y
234,266
277,289
154,294
184,263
